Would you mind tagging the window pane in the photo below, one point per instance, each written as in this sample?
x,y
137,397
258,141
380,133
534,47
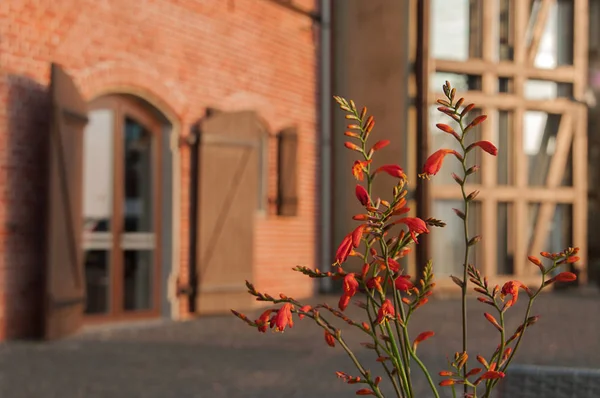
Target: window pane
x,y
455,29
97,279
504,140
505,31
98,159
137,278
539,144
138,206
543,90
505,242
556,44
460,82
449,250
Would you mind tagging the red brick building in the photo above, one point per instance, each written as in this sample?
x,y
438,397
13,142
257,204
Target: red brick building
x,y
169,153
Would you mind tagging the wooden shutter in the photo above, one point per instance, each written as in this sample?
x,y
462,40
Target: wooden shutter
x,y
64,256
287,186
228,183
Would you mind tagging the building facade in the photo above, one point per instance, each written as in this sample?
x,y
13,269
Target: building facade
x,y
154,156
525,65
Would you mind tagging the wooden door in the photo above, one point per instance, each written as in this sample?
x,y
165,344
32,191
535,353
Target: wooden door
x,y
527,71
65,293
230,163
122,188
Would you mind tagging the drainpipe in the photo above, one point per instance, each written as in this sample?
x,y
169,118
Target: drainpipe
x,y
325,143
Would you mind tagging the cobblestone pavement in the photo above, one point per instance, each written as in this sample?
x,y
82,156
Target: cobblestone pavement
x,y
220,357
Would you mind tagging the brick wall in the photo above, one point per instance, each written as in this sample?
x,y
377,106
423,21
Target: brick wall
x,y
183,56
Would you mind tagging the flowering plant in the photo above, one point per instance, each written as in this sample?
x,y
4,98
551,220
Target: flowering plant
x,y
391,296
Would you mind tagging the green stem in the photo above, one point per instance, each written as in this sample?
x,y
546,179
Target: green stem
x,y
399,391
398,358
426,373
518,343
467,247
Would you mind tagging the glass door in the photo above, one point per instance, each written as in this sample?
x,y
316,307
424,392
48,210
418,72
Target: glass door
x,y
121,217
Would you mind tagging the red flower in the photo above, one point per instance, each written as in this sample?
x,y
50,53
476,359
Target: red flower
x,y
511,288
415,226
362,195
392,169
433,164
403,283
329,339
350,284
380,145
385,311
263,321
284,318
489,375
486,146
358,168
344,250
375,283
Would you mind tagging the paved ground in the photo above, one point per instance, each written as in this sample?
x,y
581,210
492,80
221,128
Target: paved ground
x,y
221,357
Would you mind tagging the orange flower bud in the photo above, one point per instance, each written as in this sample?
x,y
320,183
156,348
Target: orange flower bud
x,y
380,145
357,235
329,339
391,169
306,308
344,301
447,382
482,361
422,337
486,146
467,109
473,372
352,146
362,195
572,259
476,121
365,391
445,373
365,326
369,124
493,321
565,277
447,129
353,127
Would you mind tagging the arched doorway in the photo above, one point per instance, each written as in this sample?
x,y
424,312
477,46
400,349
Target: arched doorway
x,y
122,209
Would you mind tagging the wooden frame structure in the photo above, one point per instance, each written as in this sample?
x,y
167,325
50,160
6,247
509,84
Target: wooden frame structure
x,y
571,131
